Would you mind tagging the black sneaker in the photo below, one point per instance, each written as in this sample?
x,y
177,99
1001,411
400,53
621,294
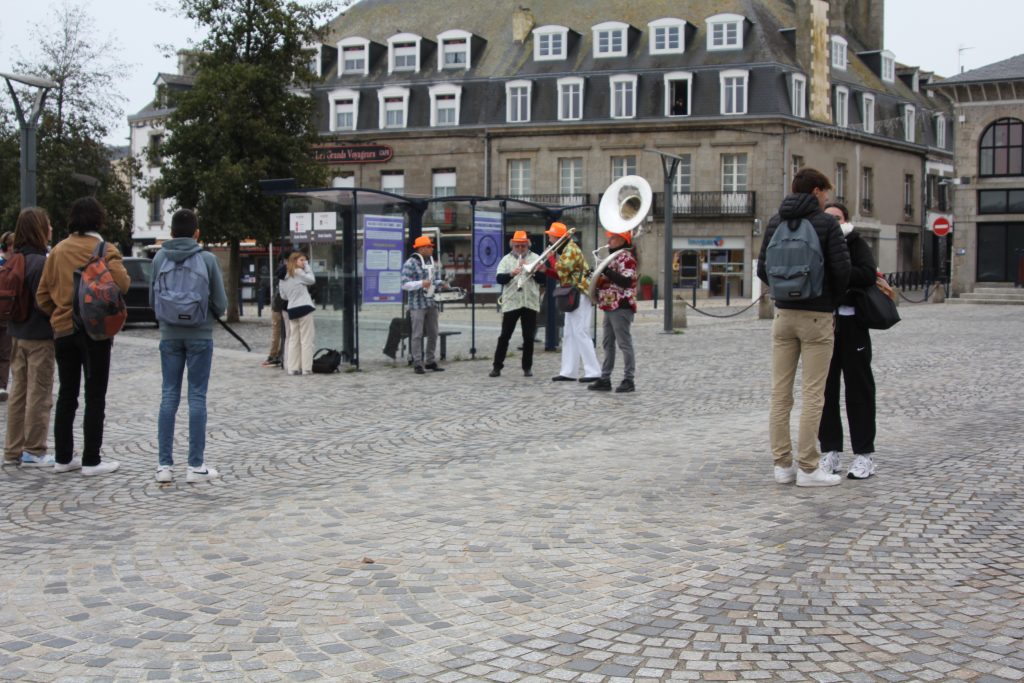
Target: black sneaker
x,y
419,370
600,384
588,380
527,373
562,378
433,367
626,387
495,373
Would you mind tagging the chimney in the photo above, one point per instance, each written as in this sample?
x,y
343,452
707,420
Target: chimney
x,y
522,24
865,20
812,53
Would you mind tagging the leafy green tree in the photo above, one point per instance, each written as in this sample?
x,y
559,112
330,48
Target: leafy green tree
x,y
72,158
243,120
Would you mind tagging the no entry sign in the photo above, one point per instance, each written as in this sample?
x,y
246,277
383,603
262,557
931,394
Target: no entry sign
x,y
940,226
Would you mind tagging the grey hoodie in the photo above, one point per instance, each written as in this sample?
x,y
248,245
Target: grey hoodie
x,y
177,250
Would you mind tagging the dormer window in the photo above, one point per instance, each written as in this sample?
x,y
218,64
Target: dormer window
x,y
623,104
667,36
888,67
678,85
725,32
404,52
734,91
839,53
570,98
353,56
799,90
841,115
867,114
453,52
940,131
344,109
610,39
517,97
394,106
909,123
445,102
549,42
314,59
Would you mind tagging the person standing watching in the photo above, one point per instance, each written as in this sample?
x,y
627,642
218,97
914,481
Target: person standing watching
x,y
570,270
77,353
518,303
851,357
6,249
301,329
28,413
616,296
420,277
803,330
182,271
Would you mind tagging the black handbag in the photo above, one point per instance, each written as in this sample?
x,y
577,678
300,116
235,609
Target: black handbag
x,y
326,361
874,310
567,299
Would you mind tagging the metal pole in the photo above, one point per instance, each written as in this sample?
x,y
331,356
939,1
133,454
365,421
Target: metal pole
x,y
28,126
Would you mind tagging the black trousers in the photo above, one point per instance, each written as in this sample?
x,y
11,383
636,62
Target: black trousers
x,y
400,327
79,354
508,326
851,357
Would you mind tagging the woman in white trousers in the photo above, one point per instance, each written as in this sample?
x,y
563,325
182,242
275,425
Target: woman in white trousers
x,y
301,330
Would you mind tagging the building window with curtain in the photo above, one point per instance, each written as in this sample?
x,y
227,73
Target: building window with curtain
x,y
623,166
520,179
570,176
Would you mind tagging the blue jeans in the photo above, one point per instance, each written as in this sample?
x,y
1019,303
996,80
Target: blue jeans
x,y
175,354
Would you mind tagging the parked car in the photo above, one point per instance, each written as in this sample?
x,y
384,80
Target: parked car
x,y
137,298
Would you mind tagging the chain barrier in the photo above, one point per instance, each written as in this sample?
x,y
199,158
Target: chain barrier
x,y
729,315
914,301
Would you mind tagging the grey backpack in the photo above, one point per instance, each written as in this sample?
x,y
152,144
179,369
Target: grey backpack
x,y
181,292
794,262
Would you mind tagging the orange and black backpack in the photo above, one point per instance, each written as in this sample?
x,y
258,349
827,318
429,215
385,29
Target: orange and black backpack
x,y
97,304
15,297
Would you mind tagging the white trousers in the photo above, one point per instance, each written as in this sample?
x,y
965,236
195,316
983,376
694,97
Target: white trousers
x,y
577,342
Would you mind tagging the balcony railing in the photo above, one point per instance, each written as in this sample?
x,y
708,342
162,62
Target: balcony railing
x,y
708,204
550,199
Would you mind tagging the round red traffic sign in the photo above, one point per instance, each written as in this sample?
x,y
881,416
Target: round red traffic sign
x,y
940,226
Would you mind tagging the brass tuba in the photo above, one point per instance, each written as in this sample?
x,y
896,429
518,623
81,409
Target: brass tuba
x,y
624,206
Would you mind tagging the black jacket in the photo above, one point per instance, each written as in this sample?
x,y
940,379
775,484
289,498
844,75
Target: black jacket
x,y
833,247
863,272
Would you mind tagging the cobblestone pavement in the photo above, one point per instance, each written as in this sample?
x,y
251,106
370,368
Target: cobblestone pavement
x,y
384,526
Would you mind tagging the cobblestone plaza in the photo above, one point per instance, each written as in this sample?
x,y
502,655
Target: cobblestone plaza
x,y
384,526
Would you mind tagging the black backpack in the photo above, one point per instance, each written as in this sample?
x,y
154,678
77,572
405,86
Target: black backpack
x,y
326,361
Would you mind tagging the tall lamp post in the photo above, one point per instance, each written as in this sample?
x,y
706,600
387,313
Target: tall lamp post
x,y
669,164
28,126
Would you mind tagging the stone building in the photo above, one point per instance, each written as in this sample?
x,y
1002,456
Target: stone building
x,y
988,195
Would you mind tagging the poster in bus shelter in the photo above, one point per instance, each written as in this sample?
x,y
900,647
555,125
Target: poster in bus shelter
x,y
487,250
382,259
300,225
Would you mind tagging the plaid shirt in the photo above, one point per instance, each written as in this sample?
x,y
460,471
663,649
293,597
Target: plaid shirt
x,y
413,271
572,268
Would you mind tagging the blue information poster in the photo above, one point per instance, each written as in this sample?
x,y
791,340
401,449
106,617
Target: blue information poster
x,y
382,259
487,250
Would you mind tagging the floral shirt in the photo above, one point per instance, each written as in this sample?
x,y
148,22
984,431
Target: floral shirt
x,y
529,295
572,268
610,296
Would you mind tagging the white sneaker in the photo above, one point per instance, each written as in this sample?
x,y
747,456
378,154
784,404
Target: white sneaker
x,y
164,474
105,467
204,473
75,464
44,460
863,467
818,477
785,475
830,462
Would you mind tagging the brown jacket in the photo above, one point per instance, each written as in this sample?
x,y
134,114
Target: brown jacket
x,y
57,285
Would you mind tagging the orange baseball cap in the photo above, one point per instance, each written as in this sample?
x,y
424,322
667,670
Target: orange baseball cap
x,y
520,237
422,241
556,230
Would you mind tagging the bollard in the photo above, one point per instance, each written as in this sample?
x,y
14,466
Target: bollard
x,y
695,296
727,291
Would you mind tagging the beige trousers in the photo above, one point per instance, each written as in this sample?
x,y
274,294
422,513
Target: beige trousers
x,y
28,408
807,336
301,333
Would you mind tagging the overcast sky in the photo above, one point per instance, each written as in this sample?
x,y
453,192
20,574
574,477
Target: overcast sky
x,y
925,33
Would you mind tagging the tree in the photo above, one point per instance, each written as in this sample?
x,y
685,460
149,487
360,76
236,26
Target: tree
x,y
243,120
72,158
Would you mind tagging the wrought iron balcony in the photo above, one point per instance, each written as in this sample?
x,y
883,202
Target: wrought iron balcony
x,y
550,199
708,204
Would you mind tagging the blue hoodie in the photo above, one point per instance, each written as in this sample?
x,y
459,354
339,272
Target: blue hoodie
x,y
179,249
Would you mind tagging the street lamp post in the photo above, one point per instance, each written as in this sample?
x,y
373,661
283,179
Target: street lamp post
x,y
28,126
669,164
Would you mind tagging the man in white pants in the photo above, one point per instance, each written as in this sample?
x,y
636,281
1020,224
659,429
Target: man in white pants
x,y
570,270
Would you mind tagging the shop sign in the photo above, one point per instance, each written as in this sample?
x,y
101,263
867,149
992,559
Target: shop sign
x,y
352,154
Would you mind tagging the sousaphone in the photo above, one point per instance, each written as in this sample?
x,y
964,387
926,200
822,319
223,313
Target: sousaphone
x,y
624,206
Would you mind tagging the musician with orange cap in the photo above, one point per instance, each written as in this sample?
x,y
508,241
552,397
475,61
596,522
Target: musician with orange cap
x,y
420,278
616,297
520,300
571,270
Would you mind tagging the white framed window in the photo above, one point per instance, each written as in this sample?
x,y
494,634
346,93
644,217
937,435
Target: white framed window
x,y
610,39
570,98
940,131
404,52
520,177
393,104
667,36
443,184
867,112
734,91
353,56
799,94
839,47
623,166
725,32
346,180
734,172
678,91
392,181
841,106
549,42
798,163
888,66
840,183
344,109
454,49
517,98
623,90
682,183
570,176
909,123
445,104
